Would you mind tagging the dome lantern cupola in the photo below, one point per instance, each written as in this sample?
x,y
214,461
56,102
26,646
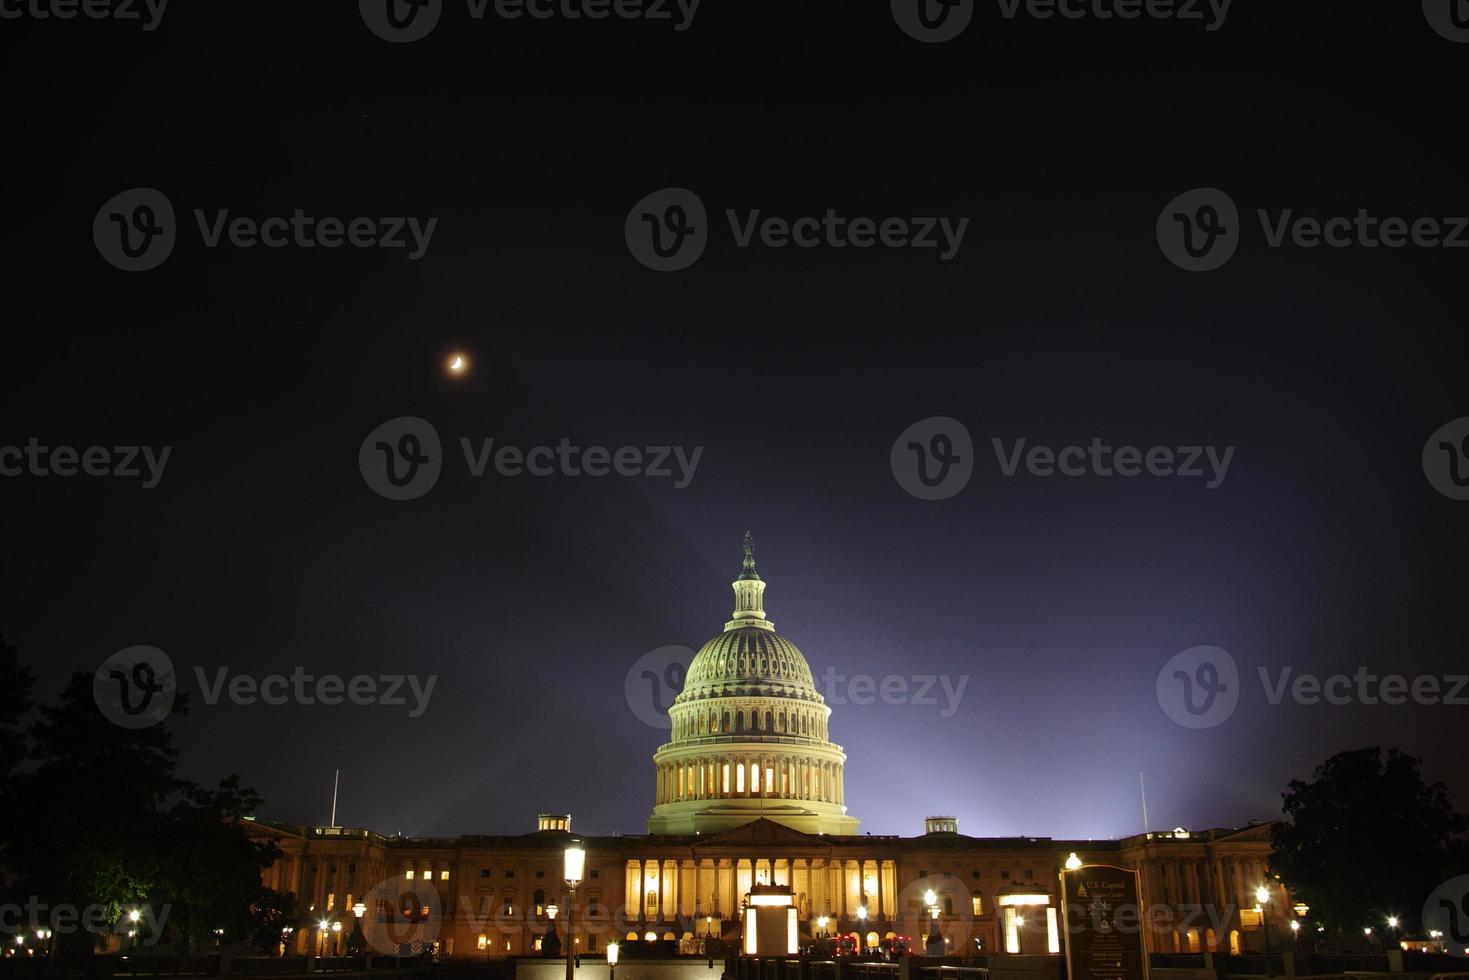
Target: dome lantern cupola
x,y
749,594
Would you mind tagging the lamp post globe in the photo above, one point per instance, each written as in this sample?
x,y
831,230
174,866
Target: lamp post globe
x,y
573,868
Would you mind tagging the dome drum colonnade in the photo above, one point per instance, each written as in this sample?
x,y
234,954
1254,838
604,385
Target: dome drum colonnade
x,y
749,734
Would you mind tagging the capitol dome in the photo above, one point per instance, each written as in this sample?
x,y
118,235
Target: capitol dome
x,y
749,733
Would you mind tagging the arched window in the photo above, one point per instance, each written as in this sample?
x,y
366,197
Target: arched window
x,y
769,721
1234,942
739,721
948,905
724,722
1211,940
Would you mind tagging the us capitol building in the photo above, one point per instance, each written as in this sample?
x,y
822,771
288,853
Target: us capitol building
x,y
750,790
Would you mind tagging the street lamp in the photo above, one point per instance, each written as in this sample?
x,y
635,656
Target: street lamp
x,y
550,945
357,942
1072,862
935,941
573,867
612,950
821,922
133,916
862,930
323,926
286,939
1262,898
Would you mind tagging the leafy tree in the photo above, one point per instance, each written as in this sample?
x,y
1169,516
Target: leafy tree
x,y
99,817
16,683
87,810
271,912
212,873
1366,839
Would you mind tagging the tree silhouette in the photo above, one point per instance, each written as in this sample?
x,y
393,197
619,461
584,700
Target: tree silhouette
x,y
1366,839
97,821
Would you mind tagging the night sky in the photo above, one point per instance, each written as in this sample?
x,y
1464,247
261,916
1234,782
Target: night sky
x,y
1058,320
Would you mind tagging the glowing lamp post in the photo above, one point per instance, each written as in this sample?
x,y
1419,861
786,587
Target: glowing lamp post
x,y
550,945
935,941
862,930
613,949
357,942
572,870
1262,899
134,916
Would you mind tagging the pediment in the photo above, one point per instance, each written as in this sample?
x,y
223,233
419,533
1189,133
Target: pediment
x,y
764,833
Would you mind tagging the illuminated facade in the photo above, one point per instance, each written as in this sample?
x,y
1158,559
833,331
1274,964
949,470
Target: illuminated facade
x,y
749,793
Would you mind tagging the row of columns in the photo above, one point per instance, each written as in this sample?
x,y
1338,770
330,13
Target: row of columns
x,y
665,889
736,777
810,723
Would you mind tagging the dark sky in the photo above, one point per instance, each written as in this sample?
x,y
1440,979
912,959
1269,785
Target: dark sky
x,y
1059,320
